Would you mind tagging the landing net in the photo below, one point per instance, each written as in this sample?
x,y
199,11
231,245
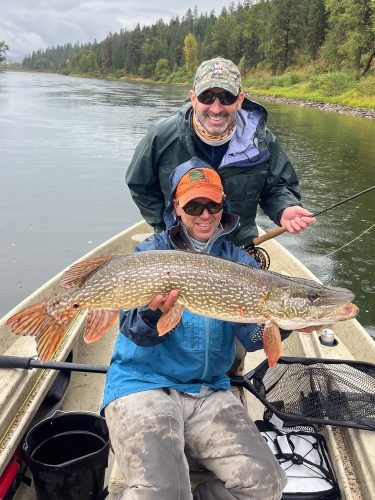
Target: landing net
x,y
316,391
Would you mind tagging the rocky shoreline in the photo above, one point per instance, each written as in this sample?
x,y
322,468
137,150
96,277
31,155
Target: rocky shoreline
x,y
336,108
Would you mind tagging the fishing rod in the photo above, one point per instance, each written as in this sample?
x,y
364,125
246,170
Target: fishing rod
x,y
29,363
281,230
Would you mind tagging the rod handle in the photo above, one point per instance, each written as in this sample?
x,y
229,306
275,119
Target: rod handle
x,y
269,235
15,362
28,363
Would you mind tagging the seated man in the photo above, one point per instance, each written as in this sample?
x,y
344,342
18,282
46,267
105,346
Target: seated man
x,y
167,394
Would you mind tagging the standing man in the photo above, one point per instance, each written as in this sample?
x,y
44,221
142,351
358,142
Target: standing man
x,y
228,131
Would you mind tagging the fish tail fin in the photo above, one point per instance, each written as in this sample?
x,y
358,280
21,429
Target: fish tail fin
x,y
47,330
272,343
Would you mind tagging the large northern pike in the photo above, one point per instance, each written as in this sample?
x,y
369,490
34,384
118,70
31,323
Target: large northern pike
x,y
209,286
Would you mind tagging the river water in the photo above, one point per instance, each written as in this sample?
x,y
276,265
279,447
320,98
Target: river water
x,y
65,144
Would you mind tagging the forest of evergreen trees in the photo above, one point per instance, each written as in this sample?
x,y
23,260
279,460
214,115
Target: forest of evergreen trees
x,y
3,49
270,35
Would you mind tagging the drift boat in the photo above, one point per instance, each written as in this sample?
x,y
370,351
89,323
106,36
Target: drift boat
x,y
27,396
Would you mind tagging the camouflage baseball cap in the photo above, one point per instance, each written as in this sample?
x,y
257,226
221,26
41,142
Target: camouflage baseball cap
x,y
217,72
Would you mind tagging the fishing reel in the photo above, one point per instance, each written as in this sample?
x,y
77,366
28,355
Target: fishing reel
x,y
259,254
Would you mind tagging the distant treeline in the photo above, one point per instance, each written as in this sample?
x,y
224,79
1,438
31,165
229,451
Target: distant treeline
x,y
270,35
3,48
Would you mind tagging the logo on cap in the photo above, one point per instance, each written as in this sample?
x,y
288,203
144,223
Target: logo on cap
x,y
196,175
217,69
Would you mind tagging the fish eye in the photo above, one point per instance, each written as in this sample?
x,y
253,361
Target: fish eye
x,y
75,306
312,296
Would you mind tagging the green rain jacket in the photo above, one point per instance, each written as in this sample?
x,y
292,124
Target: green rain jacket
x,y
255,169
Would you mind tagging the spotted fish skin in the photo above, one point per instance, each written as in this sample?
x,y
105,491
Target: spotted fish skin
x,y
208,286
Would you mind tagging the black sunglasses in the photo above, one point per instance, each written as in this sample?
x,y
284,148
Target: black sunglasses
x,y
226,98
197,208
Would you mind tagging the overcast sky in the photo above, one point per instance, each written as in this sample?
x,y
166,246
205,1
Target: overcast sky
x,y
27,25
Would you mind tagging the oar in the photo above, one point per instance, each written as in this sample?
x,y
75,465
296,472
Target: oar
x,y
281,230
29,363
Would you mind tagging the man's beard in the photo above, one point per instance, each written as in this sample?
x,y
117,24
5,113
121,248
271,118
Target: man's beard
x,y
209,127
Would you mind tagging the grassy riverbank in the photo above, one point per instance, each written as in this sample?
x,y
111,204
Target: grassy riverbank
x,y
305,85
330,87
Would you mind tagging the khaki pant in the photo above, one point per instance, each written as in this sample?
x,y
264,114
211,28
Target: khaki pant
x,y
151,430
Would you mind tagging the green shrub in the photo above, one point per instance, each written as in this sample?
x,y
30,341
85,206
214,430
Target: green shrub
x,y
332,84
268,81
366,86
162,71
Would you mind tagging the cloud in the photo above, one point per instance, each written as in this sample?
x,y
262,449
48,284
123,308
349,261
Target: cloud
x,y
27,25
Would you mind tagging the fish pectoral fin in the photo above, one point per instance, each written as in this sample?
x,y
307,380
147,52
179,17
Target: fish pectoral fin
x,y
78,273
272,343
170,319
99,321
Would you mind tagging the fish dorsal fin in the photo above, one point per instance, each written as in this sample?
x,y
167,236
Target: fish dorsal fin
x,y
170,319
99,321
78,273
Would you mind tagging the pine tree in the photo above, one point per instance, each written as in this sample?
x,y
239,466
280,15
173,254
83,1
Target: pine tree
x,y
3,48
351,34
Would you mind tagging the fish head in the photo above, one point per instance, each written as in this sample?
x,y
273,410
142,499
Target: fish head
x,y
299,303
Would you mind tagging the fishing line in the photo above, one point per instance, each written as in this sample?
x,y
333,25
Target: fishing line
x,y
343,201
338,204
20,413
347,244
280,230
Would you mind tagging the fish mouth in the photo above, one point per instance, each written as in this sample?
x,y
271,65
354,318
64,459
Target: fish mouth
x,y
347,311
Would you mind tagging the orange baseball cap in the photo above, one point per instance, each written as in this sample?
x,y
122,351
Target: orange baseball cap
x,y
199,183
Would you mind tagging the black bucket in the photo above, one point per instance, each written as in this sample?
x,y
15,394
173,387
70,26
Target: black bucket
x,y
67,455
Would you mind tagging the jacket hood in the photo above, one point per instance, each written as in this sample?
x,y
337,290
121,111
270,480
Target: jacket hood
x,y
173,226
175,177
249,105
